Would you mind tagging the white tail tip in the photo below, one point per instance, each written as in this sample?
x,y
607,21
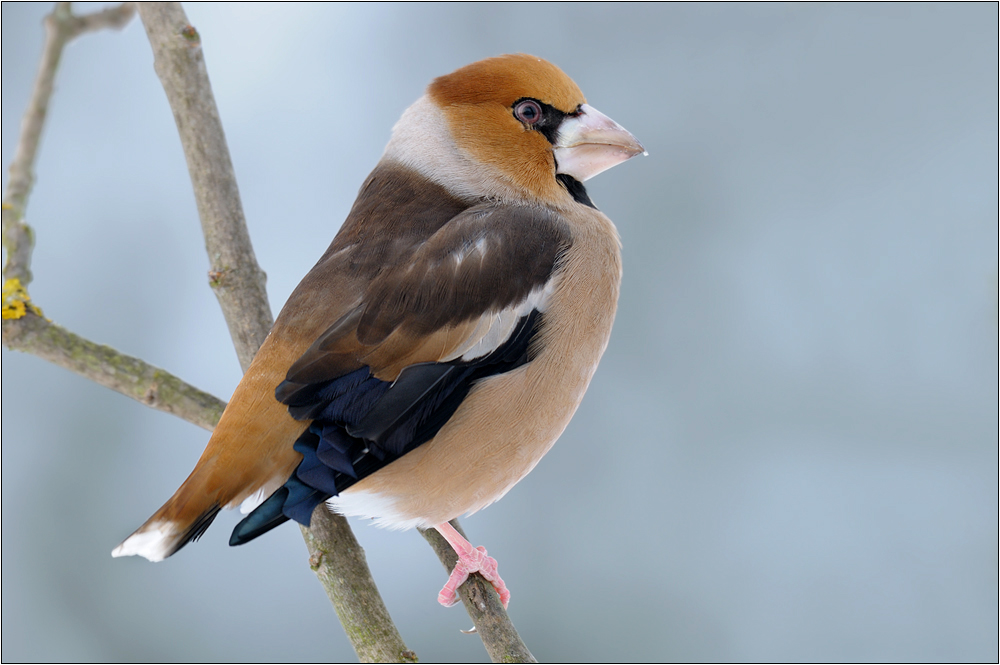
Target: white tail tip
x,y
155,542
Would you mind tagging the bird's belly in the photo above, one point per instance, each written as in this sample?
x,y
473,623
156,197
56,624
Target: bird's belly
x,y
496,437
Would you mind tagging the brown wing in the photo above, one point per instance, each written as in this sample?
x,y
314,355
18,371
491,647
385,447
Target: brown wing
x,y
467,282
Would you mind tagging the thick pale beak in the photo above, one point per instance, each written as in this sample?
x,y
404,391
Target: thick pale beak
x,y
591,142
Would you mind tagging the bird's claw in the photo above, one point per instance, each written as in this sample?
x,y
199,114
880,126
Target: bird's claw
x,y
475,561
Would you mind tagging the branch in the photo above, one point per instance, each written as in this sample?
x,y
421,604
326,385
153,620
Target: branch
x,y
101,364
482,602
112,17
239,287
352,590
61,26
24,327
234,275
335,555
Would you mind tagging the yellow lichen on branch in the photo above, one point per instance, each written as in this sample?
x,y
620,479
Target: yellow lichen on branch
x,y
16,301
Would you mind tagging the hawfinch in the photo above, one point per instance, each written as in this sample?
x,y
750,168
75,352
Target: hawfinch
x,y
442,343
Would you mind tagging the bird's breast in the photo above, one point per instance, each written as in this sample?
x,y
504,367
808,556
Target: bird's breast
x,y
508,421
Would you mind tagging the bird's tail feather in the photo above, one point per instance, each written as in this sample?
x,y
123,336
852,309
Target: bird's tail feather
x,y
250,451
183,518
157,539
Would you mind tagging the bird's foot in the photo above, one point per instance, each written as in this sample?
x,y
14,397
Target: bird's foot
x,y
475,562
470,560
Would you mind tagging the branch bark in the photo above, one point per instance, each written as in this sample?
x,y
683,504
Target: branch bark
x,y
239,286
101,364
234,275
24,327
346,581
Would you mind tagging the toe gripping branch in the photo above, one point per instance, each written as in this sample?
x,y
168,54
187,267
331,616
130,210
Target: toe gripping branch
x,y
470,560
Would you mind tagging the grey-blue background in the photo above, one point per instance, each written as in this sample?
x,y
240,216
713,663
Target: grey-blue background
x,y
789,451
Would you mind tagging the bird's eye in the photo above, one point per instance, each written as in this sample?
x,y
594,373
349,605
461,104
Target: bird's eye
x,y
529,111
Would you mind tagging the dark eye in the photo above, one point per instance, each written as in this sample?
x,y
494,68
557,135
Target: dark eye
x,y
529,111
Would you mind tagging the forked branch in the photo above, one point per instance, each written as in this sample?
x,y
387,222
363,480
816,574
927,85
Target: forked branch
x,y
238,282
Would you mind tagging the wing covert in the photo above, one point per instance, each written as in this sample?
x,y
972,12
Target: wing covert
x,y
457,294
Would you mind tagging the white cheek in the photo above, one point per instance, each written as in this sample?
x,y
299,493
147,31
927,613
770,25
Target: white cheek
x,y
422,141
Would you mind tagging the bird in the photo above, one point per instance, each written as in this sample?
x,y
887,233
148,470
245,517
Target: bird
x,y
443,341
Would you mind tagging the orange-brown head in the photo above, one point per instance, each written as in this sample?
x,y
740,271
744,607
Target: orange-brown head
x,y
512,123
505,79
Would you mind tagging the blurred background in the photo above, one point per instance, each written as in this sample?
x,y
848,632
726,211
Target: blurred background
x,y
788,453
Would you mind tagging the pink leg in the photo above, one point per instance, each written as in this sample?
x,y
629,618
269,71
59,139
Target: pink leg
x,y
470,560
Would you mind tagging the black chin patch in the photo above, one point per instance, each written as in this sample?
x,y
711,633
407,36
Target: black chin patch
x,y
575,189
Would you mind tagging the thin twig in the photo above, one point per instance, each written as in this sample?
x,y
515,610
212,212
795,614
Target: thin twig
x,y
112,17
239,287
61,26
482,602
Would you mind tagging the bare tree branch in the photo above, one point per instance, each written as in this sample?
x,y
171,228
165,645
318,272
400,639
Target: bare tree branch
x,y
335,555
129,376
234,275
61,26
349,584
482,602
112,17
24,327
239,287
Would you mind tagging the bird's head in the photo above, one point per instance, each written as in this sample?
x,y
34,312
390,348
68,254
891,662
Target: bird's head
x,y
513,127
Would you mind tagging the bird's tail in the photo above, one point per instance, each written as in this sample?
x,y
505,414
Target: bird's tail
x,y
183,518
248,457
158,539
214,484
218,481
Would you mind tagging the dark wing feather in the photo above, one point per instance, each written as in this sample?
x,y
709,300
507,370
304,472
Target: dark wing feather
x,y
507,252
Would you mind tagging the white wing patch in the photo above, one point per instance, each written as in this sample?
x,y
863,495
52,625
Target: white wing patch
x,y
496,327
249,504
